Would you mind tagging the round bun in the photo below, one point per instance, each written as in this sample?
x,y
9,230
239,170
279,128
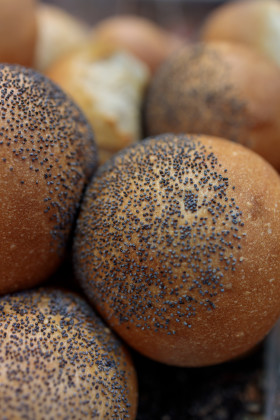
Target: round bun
x,y
58,361
58,34
18,31
140,36
47,154
109,86
252,22
177,246
221,89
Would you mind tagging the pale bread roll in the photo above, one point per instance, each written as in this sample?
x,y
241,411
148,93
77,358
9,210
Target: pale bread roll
x,y
58,34
140,36
252,22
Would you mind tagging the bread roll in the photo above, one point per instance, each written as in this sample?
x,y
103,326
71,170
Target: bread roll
x,y
47,154
18,31
140,36
252,22
177,246
109,85
221,89
58,34
59,361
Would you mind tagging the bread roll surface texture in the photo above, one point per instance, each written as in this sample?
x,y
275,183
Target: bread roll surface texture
x,y
177,246
58,360
221,89
47,154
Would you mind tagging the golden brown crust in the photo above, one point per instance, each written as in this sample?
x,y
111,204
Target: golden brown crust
x,y
140,36
219,89
177,245
58,360
18,31
250,22
219,25
47,154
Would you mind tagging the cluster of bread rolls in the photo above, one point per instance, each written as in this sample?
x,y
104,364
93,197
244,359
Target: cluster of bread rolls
x,y
174,239
106,70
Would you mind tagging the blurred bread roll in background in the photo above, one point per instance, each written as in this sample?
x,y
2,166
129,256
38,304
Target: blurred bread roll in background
x,y
223,89
140,36
18,31
58,33
252,22
108,85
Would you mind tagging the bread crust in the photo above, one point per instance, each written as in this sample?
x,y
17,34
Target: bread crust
x,y
177,246
140,36
47,154
18,31
59,360
255,23
220,89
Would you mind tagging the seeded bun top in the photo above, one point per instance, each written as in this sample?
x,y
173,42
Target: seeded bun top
x,y
58,360
220,89
47,154
177,245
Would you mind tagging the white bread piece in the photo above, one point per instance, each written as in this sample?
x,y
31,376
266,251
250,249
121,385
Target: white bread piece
x,y
108,84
